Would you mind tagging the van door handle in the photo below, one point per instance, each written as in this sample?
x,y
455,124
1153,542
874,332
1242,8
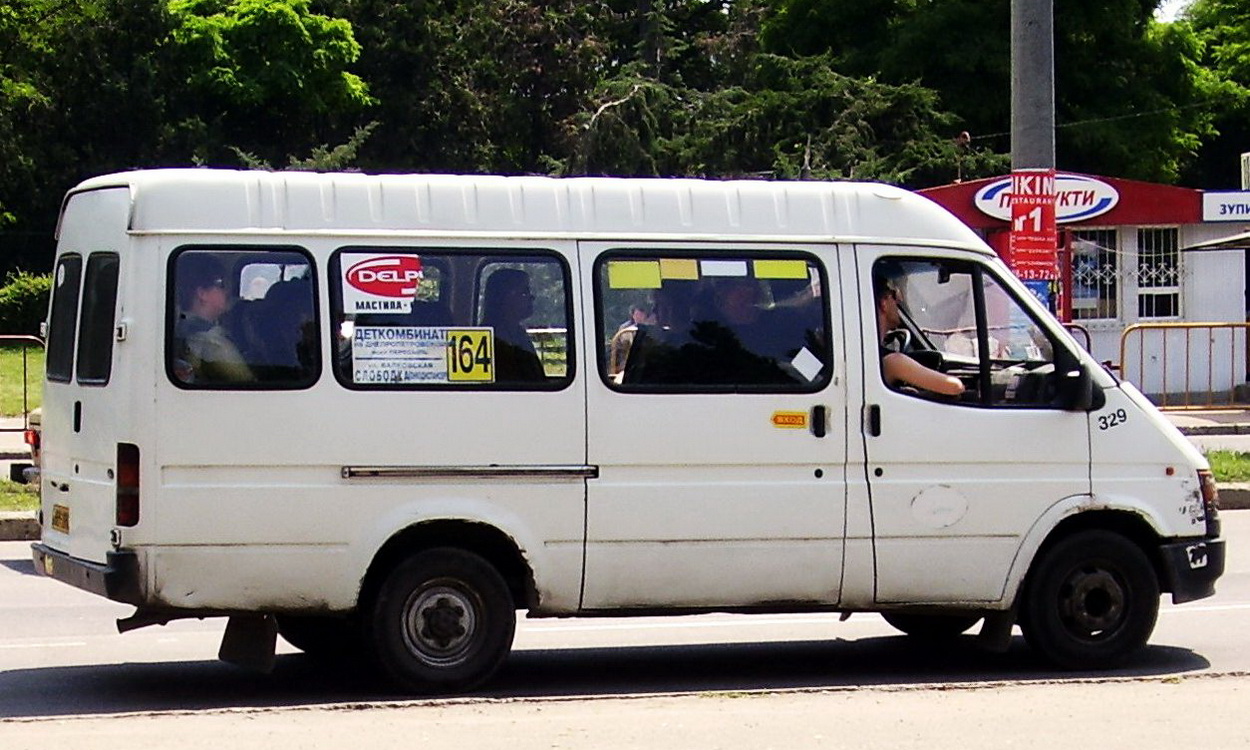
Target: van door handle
x,y
818,420
874,420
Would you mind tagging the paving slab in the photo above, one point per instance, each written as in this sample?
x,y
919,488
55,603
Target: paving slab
x,y
1211,421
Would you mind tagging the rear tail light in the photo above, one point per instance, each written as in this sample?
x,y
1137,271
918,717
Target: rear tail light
x,y
127,484
32,438
1210,502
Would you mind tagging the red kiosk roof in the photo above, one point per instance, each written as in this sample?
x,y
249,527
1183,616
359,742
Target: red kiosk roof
x,y
1139,203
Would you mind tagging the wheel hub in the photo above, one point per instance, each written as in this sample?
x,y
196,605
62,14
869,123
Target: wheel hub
x,y
1093,601
439,625
442,622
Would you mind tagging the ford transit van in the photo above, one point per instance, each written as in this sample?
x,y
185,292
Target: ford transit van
x,y
383,414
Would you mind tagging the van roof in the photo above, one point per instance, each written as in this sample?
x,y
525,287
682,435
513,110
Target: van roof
x,y
224,201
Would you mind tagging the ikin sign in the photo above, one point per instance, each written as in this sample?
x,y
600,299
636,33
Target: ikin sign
x,y
1077,198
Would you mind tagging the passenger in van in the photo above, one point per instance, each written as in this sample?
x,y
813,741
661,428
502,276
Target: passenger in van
x,y
763,341
204,352
284,330
618,348
639,313
899,369
507,302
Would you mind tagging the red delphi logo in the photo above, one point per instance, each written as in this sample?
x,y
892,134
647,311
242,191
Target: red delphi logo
x,y
386,276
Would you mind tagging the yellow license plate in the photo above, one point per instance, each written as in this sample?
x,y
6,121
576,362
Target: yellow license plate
x,y
60,518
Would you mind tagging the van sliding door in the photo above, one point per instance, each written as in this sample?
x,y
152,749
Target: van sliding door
x,y
717,421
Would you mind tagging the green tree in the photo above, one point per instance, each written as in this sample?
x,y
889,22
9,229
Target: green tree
x,y
95,86
1131,99
270,77
83,95
470,86
712,104
1222,34
785,118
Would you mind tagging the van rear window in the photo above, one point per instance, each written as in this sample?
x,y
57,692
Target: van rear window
x,y
66,280
95,331
242,318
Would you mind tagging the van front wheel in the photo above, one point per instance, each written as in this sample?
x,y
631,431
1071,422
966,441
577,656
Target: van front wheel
x,y
1092,601
443,622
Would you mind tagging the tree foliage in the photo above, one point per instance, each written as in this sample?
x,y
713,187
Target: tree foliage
x,y
1131,99
822,89
1221,34
785,118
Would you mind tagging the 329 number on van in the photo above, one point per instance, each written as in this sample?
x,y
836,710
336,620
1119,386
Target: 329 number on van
x,y
471,355
1114,419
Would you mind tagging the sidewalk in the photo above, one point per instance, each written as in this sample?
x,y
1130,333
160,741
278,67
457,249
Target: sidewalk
x,y
1211,421
1233,495
12,445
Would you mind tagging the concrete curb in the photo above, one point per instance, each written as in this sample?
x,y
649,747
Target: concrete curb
x,y
19,526
1215,429
1235,496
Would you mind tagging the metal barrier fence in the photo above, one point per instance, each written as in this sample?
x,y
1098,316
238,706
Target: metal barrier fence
x,y
26,343
1187,365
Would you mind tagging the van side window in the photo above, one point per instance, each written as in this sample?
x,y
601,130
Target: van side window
x,y
957,318
99,302
713,322
63,318
443,318
242,318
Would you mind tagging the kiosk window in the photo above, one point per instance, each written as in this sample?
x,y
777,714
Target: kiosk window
x,y
242,318
443,318
714,322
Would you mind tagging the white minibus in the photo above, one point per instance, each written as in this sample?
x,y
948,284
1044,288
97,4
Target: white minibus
x,y
381,414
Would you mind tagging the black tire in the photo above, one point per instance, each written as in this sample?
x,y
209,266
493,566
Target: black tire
x,y
321,636
442,622
1091,602
931,627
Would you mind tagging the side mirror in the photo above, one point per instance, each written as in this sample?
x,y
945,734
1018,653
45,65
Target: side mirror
x,y
1077,391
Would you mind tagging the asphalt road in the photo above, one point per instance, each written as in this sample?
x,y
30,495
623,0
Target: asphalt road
x,y
60,655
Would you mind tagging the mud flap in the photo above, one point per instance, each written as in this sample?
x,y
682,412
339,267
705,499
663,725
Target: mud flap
x,y
995,635
250,641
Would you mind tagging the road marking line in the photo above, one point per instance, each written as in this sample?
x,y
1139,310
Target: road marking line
x,y
747,620
1183,608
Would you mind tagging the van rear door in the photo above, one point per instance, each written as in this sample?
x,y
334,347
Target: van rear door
x,y
81,412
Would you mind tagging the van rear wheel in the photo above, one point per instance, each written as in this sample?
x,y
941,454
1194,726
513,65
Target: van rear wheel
x,y
443,622
930,627
1092,601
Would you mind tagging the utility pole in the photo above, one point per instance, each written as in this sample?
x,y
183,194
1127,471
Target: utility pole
x,y
1032,84
1032,246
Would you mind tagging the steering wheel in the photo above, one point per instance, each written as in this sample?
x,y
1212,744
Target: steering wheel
x,y
901,336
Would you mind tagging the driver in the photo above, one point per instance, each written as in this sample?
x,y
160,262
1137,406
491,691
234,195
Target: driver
x,y
897,368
